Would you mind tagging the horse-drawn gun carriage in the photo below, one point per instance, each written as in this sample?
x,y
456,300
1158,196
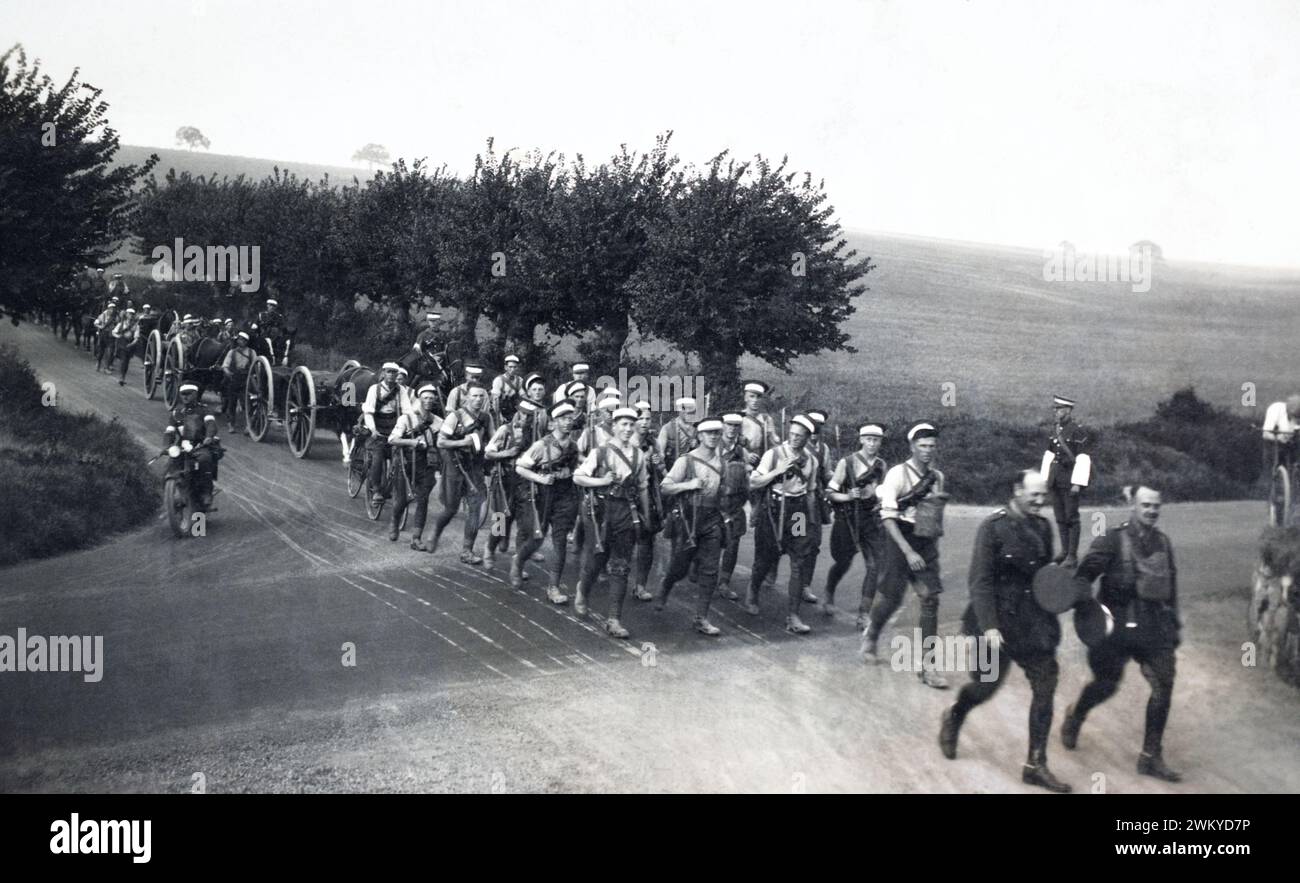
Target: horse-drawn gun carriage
x,y
178,354
302,401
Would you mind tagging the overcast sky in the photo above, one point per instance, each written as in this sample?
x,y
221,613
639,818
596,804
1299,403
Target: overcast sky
x,y
1014,122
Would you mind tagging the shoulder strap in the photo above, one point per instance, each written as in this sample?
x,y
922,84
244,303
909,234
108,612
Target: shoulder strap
x,y
696,459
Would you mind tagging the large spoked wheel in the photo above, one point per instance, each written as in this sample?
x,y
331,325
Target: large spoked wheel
x,y
173,372
259,398
179,511
300,411
153,349
1279,498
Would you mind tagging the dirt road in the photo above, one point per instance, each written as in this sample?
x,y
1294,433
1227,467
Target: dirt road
x,y
224,657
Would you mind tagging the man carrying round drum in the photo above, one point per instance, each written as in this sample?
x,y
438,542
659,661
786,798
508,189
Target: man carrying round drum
x,y
1139,582
1011,546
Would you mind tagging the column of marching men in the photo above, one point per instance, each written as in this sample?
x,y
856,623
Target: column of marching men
x,y
589,470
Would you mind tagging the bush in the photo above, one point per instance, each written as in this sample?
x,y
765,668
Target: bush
x,y
1225,442
66,480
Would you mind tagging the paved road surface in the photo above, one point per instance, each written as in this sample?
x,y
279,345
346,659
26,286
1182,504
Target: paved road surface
x,y
223,656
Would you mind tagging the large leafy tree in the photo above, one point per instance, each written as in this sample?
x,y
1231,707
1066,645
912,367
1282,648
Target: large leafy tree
x,y
606,220
747,259
63,206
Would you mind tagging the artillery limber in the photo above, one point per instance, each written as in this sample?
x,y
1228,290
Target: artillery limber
x,y
302,401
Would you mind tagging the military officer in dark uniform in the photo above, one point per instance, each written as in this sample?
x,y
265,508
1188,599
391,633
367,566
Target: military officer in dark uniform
x,y
1139,584
1010,546
429,341
191,422
1067,463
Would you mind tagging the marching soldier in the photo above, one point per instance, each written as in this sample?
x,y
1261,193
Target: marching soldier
x,y
1010,547
677,435
462,437
416,431
618,488
125,334
104,324
858,529
787,477
649,530
759,429
1067,463
580,372
507,389
548,500
506,444
734,452
912,553
822,451
600,422
456,397
234,374
1139,582
696,482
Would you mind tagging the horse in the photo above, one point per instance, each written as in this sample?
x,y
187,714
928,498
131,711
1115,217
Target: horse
x,y
441,369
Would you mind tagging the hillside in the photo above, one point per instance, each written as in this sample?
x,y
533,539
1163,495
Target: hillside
x,y
201,162
982,318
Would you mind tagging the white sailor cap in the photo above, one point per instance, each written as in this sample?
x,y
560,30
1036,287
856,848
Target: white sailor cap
x,y
1062,402
130,309
244,335
804,421
733,419
189,387
685,403
625,414
579,367
144,306
642,405
473,370
189,317
534,378
922,430
757,386
818,415
575,387
609,397
512,359
432,317
402,372
711,424
871,429
428,387
528,406
272,302
562,407
391,366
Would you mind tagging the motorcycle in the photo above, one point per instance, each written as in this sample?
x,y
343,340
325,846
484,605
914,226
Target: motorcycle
x,y
181,487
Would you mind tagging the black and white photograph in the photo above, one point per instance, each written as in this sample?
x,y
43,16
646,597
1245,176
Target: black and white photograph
x,y
856,397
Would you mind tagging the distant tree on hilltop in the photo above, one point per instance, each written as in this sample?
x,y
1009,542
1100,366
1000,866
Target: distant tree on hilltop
x,y
191,137
371,154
